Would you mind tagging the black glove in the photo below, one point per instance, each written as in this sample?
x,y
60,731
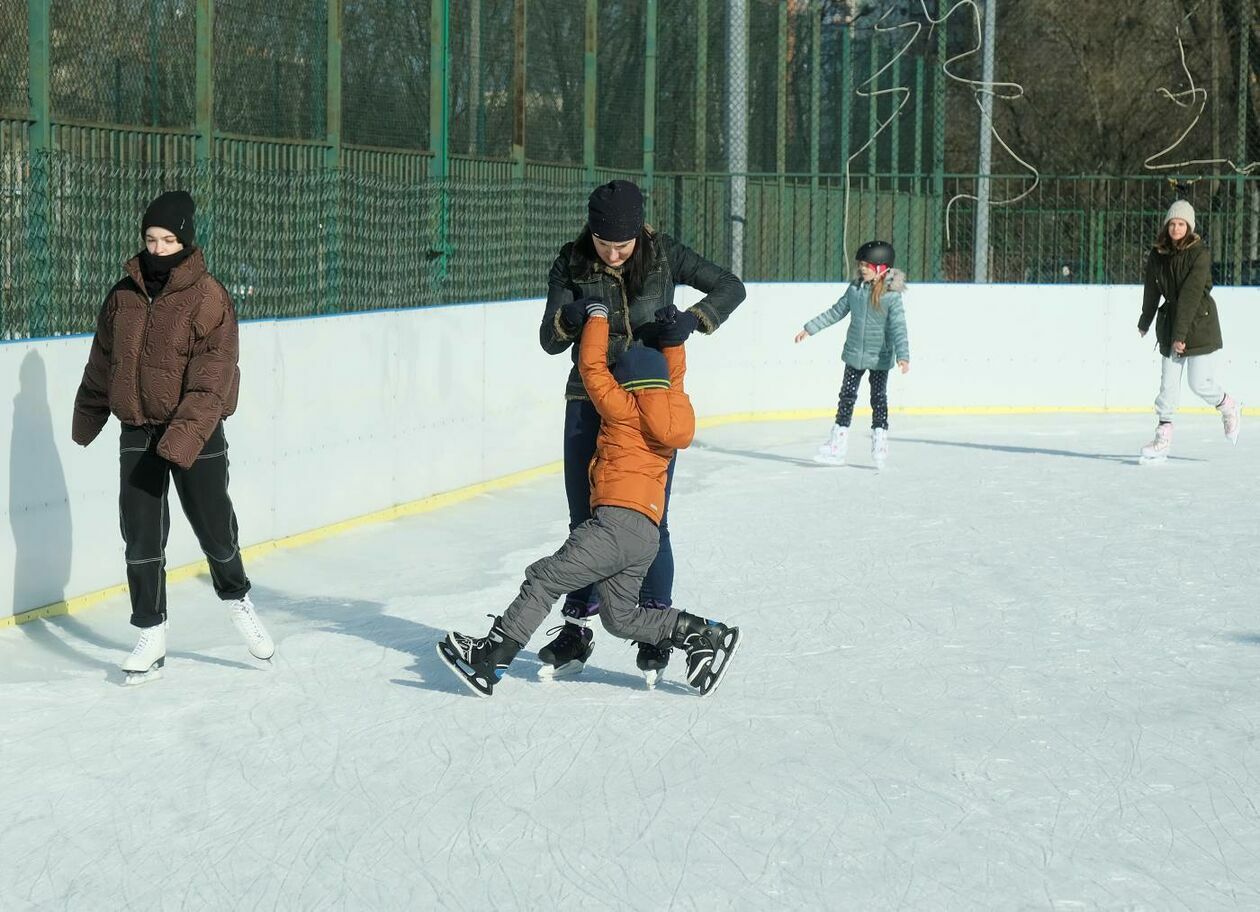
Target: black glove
x,y
675,326
573,314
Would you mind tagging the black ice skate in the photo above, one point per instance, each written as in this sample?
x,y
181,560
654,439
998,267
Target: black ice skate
x,y
568,653
709,645
479,661
652,659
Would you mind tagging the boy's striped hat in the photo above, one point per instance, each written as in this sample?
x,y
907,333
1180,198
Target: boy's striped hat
x,y
641,367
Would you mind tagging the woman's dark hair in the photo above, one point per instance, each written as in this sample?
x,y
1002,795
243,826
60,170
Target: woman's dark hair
x,y
635,271
1165,244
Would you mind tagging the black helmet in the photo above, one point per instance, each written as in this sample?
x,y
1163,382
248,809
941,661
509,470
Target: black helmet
x,y
877,253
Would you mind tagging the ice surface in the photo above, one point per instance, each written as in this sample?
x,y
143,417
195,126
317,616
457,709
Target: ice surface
x,y
1013,671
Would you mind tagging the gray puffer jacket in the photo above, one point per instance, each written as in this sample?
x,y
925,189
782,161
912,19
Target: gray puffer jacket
x,y
877,339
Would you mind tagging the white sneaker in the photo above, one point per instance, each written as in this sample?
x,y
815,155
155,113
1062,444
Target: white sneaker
x,y
834,451
1157,449
879,446
251,629
1231,417
147,659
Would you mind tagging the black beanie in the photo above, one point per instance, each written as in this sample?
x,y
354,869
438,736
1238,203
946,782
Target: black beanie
x,y
173,210
641,367
615,211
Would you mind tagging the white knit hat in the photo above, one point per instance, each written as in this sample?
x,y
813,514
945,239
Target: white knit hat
x,y
1181,210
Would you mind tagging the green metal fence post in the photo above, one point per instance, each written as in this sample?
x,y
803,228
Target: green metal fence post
x,y
38,206
519,22
440,125
920,257
204,122
590,96
780,144
332,160
702,84
938,153
649,105
816,224
846,130
1240,183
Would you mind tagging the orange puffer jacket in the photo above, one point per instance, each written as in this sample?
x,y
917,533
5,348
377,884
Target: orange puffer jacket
x,y
639,431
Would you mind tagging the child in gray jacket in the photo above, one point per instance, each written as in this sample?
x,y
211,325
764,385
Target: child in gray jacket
x,y
877,334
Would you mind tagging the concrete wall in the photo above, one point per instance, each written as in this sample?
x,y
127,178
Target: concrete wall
x,y
341,416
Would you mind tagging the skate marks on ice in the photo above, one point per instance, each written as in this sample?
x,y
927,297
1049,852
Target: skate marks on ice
x,y
1119,458
68,644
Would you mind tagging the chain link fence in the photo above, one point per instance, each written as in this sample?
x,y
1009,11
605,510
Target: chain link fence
x,y
462,137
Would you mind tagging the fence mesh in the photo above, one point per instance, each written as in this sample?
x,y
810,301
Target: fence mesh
x,y
124,90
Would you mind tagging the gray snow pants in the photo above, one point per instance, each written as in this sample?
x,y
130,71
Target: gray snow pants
x,y
613,550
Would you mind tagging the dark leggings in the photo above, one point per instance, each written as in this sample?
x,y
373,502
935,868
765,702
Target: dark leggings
x,y
849,394
581,427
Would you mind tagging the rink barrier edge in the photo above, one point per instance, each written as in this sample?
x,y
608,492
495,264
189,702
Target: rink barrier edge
x,y
188,571
449,498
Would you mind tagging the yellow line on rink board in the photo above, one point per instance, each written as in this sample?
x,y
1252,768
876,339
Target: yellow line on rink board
x,y
459,495
188,571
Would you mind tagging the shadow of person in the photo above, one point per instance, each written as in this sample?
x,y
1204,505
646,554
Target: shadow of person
x,y
368,621
39,503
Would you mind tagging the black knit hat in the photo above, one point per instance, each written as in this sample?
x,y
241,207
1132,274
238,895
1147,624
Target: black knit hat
x,y
615,211
641,367
173,210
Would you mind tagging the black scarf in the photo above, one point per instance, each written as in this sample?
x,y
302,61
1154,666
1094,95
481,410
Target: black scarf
x,y
156,270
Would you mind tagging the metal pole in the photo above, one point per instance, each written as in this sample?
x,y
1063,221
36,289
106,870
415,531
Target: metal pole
x,y
440,125
1240,184
737,113
649,105
205,82
817,234
938,151
986,148
332,159
780,97
590,95
702,83
477,135
39,206
519,22
439,87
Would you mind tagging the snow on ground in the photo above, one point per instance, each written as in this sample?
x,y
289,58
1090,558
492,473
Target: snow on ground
x,y
1013,671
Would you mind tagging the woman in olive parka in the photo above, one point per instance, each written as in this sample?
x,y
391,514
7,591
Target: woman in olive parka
x,y
1187,327
633,270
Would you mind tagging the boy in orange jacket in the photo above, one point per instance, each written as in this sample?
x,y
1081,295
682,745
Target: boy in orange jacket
x,y
645,416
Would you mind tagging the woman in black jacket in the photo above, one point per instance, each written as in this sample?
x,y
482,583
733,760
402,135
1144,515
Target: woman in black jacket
x,y
1188,330
633,270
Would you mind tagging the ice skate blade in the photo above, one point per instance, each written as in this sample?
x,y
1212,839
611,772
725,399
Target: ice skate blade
x,y
450,658
567,670
136,678
828,460
1152,460
263,658
726,657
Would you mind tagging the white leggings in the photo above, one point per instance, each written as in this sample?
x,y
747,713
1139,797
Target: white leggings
x,y
1203,382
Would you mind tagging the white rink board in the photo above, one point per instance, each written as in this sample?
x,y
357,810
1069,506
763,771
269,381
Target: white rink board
x,y
342,416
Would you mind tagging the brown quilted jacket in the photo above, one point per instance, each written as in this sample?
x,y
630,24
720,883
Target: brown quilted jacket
x,y
169,362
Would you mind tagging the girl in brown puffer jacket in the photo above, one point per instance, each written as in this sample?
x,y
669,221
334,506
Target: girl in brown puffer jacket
x,y
164,362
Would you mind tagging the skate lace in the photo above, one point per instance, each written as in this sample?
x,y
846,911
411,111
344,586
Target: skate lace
x,y
245,616
146,635
566,635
